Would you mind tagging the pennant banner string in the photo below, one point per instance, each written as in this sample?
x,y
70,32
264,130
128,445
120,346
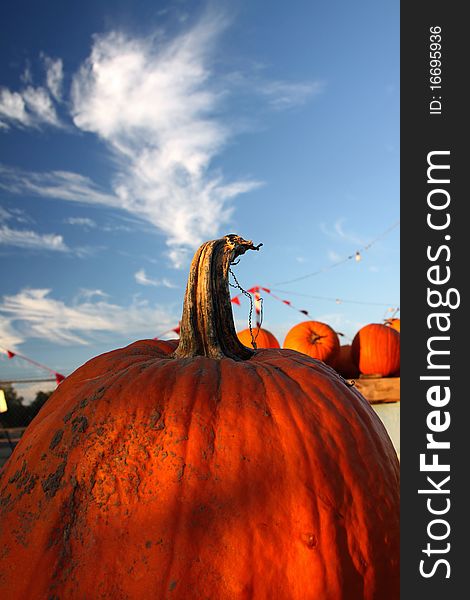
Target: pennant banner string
x,y
173,330
331,299
285,302
258,301
253,290
58,376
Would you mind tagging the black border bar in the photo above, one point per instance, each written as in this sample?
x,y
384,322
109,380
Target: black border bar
x,y
434,131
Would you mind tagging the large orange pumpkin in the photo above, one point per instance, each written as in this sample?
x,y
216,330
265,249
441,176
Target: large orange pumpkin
x,y
345,364
263,338
315,339
376,350
214,472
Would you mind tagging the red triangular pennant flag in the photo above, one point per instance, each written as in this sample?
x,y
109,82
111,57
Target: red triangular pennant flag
x,y
268,291
287,302
59,378
254,289
176,330
235,300
257,303
10,354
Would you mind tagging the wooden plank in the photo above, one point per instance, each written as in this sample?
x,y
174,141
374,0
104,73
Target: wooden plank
x,y
13,430
380,389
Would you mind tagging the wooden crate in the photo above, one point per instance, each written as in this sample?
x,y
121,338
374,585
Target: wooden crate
x,y
379,389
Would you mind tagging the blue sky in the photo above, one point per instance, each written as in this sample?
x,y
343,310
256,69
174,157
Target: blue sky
x,y
130,132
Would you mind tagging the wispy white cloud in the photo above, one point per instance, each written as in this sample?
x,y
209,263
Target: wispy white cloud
x,y
41,110
112,225
142,278
62,185
284,95
156,105
14,214
9,338
33,106
4,214
54,76
35,313
277,94
87,294
30,239
338,232
27,77
13,107
81,222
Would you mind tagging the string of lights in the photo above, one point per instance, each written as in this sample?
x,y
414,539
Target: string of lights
x,y
355,256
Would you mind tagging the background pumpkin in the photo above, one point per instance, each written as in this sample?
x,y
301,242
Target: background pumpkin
x,y
261,475
315,339
393,323
263,338
376,350
345,364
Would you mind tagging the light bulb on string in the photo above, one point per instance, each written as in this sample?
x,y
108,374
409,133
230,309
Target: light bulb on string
x,y
3,402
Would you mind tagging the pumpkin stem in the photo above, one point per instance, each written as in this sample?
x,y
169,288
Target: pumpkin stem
x,y
207,327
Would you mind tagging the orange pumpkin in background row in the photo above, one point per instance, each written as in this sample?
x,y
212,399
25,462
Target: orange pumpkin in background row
x,y
376,350
393,323
314,339
263,338
211,472
345,364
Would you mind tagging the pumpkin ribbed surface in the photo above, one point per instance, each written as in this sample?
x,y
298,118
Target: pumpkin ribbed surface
x,y
315,339
213,479
263,338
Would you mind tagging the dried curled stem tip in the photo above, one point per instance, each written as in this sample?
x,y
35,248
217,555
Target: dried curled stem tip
x,y
207,327
240,245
